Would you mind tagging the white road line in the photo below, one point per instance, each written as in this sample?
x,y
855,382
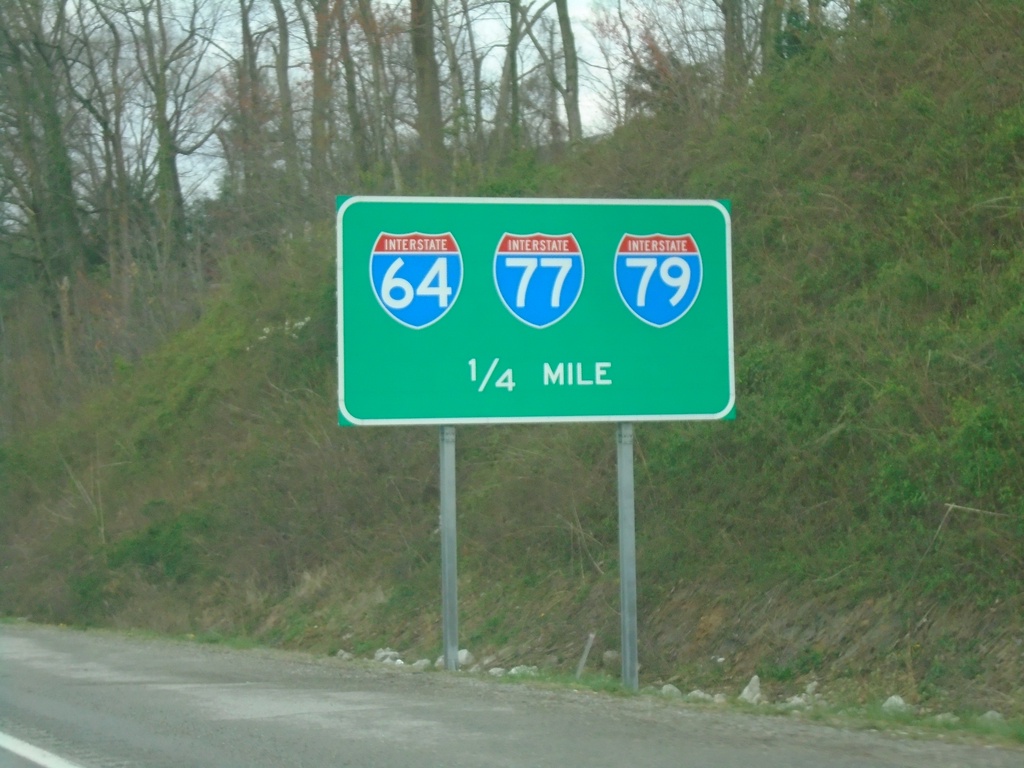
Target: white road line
x,y
36,755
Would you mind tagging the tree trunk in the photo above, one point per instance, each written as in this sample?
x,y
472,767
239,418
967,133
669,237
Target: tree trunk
x,y
66,330
170,202
814,17
286,127
771,28
572,76
385,134
429,121
735,68
479,145
461,130
249,108
514,11
32,83
322,94
105,97
506,113
360,149
478,88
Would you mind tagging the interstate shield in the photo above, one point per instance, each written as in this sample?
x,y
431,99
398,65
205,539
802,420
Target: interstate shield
x,y
539,277
416,277
658,276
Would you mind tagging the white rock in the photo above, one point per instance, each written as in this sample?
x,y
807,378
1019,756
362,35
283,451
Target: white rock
x,y
439,664
895,704
423,664
699,695
344,655
466,658
670,690
721,698
386,655
496,671
797,702
812,688
475,669
991,717
946,718
752,693
523,670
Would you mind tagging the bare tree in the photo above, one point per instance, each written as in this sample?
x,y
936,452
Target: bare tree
x,y
251,114
571,88
292,185
318,38
567,88
102,83
509,109
434,172
733,47
460,124
814,13
771,26
38,162
357,129
381,94
171,44
476,64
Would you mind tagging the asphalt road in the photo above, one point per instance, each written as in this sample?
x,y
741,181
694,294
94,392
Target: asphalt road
x,y
103,700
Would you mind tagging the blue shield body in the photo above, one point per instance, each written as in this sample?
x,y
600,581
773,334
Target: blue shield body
x,y
658,276
539,277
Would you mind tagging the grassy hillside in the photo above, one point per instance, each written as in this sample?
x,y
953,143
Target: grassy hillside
x,y
861,522
878,212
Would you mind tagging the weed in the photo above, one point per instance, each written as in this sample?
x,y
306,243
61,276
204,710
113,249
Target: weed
x,y
492,633
167,550
90,589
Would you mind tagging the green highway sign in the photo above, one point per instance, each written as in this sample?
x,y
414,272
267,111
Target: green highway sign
x,y
487,310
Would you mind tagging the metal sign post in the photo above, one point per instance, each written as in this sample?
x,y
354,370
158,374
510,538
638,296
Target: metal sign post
x,y
449,553
627,557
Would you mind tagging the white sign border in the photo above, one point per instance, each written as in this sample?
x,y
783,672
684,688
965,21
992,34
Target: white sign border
x,y
353,420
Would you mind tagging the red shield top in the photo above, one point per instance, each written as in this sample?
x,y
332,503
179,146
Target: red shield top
x,y
415,242
538,243
658,244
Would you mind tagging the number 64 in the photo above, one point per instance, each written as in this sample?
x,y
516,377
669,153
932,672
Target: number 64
x,y
398,293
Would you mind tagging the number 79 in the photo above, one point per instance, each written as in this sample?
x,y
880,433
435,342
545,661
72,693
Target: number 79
x,y
673,272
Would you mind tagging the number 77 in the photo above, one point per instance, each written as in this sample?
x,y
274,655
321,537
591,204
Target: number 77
x,y
529,265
